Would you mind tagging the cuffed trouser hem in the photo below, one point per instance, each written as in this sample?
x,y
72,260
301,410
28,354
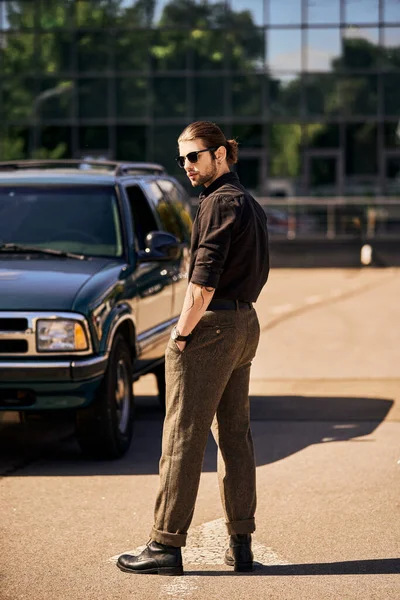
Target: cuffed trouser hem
x,y
241,527
168,539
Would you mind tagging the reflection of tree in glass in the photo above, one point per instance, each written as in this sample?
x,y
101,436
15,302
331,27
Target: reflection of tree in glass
x,y
175,220
188,34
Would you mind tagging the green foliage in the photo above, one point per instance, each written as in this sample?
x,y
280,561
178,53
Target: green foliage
x,y
44,153
11,148
206,36
285,145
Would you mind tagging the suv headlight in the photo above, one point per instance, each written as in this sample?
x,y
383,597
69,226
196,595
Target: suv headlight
x,y
58,335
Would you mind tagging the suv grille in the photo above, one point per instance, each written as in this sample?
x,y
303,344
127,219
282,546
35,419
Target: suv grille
x,y
13,324
13,346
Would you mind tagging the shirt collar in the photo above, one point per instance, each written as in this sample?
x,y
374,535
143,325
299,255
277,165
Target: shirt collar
x,y
225,178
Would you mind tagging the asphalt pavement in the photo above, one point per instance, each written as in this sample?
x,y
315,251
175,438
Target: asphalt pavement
x,y
325,394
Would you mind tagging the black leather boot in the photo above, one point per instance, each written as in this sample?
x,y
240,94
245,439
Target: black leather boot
x,y
156,559
239,554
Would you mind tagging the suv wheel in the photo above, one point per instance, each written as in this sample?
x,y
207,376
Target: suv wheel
x,y
104,429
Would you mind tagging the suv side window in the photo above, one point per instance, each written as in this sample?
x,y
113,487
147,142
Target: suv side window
x,y
179,206
143,218
166,212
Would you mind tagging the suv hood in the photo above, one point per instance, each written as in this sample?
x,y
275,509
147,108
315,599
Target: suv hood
x,y
45,283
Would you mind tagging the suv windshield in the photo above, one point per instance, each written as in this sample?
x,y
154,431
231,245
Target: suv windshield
x,y
76,219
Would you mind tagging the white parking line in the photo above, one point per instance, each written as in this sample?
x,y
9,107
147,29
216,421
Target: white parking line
x,y
206,547
282,308
313,299
179,587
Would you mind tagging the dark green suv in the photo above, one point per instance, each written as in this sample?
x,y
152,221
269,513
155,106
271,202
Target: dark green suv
x,y
93,272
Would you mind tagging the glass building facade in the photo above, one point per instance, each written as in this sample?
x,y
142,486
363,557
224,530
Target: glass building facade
x,y
309,88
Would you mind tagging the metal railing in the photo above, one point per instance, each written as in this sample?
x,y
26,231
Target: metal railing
x,y
334,218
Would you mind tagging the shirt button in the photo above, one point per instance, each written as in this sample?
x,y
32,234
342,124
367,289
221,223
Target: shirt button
x,y
218,331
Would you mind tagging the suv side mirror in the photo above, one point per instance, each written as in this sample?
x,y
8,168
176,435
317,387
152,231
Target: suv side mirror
x,y
160,245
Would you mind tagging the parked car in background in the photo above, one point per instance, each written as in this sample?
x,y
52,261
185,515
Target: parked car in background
x,y
93,272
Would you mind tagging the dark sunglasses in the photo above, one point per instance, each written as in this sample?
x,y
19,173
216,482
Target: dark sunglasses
x,y
192,157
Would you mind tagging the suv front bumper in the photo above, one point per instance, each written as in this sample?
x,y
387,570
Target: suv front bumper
x,y
54,384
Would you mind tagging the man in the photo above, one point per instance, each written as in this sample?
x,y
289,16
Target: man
x,y
208,359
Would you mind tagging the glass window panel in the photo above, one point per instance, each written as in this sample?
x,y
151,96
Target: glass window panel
x,y
55,99
391,47
131,50
209,93
15,142
284,50
387,219
284,13
55,52
54,15
159,7
93,51
92,138
95,14
169,49
193,14
214,10
284,144
18,53
391,223
248,136
285,97
93,98
246,48
55,141
323,11
393,168
132,13
165,149
323,135
323,175
247,94
391,94
208,49
361,11
323,47
252,11
391,11
322,95
18,98
360,48
358,94
132,97
17,15
391,130
361,151
248,169
169,97
131,142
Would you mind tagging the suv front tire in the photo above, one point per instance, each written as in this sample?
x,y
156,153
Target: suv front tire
x,y
104,429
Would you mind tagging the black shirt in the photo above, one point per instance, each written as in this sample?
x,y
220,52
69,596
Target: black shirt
x,y
229,248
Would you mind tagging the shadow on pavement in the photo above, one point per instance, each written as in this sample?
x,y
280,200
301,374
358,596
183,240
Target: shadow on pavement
x,y
380,566
281,425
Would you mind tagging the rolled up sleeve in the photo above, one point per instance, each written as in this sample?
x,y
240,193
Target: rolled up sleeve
x,y
216,225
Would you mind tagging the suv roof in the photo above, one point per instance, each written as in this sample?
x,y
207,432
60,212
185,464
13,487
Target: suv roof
x,y
74,171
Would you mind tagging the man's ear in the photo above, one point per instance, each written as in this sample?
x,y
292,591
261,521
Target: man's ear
x,y
220,153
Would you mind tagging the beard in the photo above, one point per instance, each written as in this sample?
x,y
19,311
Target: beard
x,y
206,177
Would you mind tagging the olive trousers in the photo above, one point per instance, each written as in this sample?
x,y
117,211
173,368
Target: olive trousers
x,y
207,386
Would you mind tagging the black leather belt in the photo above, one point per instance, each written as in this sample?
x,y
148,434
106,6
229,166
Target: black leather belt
x,y
217,304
